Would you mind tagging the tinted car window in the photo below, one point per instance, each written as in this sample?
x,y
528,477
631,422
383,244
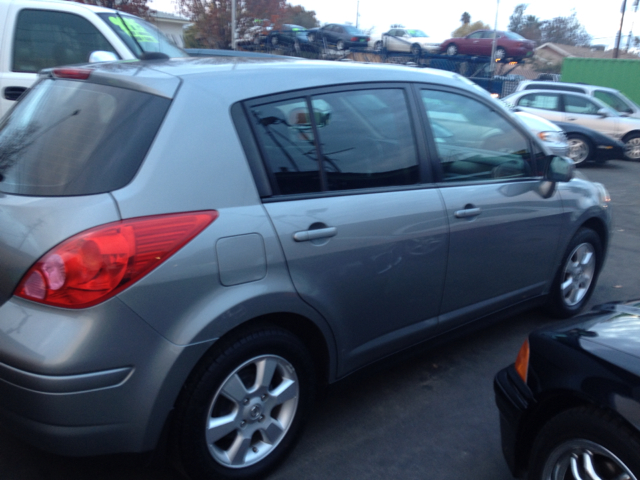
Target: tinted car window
x,y
541,100
364,136
45,39
474,142
476,35
574,104
76,138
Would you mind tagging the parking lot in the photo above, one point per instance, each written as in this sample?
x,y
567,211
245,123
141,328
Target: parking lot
x,y
429,416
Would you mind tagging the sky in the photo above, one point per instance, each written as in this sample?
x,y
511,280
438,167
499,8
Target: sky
x,y
438,18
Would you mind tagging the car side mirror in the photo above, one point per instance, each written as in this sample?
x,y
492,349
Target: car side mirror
x,y
102,56
560,169
603,112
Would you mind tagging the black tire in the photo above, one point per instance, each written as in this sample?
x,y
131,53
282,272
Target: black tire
x,y
501,53
226,386
377,47
577,275
632,147
452,49
416,50
580,148
274,41
311,37
340,45
585,434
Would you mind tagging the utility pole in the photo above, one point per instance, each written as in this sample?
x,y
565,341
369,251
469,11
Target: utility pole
x,y
233,24
635,10
493,43
357,13
617,49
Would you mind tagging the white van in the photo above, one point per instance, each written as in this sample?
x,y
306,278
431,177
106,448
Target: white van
x,y
37,34
610,96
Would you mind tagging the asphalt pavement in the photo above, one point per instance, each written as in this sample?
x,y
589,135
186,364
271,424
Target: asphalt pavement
x,y
430,416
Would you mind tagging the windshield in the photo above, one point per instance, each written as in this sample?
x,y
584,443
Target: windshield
x,y
138,34
513,36
417,33
353,30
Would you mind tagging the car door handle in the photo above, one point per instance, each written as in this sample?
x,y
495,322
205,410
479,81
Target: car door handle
x,y
572,118
14,93
468,212
307,235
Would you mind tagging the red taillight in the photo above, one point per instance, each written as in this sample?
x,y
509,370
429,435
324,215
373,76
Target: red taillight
x,y
354,39
522,361
94,265
72,73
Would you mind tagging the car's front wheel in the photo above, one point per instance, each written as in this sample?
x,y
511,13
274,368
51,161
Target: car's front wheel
x,y
452,49
585,443
377,46
501,53
577,275
244,405
340,45
415,49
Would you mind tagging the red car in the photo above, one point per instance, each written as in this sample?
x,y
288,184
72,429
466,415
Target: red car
x,y
508,45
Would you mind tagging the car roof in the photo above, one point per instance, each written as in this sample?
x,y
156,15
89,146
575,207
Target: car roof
x,y
237,76
66,4
558,85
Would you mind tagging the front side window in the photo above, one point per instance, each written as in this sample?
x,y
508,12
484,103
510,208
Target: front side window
x,y
573,104
613,101
364,140
46,39
474,142
541,100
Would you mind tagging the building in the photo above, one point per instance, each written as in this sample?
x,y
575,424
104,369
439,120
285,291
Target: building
x,y
169,24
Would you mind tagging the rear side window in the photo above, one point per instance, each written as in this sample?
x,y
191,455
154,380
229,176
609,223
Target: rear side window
x,y
76,138
45,39
613,101
541,100
353,140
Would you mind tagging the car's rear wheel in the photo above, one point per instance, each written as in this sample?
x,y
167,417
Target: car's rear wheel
x,y
501,53
415,49
311,37
274,41
585,443
377,46
452,49
579,148
577,275
632,146
244,405
340,45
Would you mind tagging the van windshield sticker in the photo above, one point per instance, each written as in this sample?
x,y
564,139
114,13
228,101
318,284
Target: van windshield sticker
x,y
140,33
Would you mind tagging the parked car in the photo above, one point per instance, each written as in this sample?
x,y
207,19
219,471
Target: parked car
x,y
293,37
340,36
561,106
552,135
609,96
37,34
508,45
185,249
406,40
585,144
570,404
214,52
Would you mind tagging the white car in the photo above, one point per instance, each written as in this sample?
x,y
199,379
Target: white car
x,y
551,134
406,40
581,109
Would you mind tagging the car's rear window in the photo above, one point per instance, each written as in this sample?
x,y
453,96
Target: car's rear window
x,y
76,138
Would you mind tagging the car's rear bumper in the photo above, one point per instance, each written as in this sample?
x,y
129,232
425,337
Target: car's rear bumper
x,y
513,398
87,382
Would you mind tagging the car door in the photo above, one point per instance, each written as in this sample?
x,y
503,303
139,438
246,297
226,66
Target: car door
x,y
471,44
503,233
581,110
397,42
363,233
545,104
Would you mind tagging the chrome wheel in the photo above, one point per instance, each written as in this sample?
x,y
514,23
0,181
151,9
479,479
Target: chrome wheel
x,y
500,53
584,460
452,49
632,148
578,274
578,150
252,411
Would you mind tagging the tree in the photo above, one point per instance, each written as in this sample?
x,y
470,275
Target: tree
x,y
565,30
467,28
297,15
465,18
135,7
526,25
212,19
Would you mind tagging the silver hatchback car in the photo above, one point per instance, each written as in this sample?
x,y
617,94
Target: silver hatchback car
x,y
195,246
